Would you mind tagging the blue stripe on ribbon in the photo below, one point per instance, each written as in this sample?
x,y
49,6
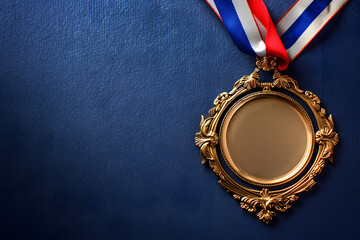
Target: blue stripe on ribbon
x,y
302,23
232,22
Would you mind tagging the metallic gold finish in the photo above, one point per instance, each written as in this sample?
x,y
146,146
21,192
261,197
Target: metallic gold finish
x,y
265,202
266,63
267,138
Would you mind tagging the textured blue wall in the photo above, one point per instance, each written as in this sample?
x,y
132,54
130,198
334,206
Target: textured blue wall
x,y
99,104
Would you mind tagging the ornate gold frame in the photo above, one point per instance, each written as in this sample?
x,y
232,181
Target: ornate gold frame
x,y
207,140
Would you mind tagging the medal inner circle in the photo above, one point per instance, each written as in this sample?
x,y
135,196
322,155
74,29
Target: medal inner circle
x,y
267,138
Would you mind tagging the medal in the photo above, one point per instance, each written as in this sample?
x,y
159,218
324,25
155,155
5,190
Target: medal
x,y
267,141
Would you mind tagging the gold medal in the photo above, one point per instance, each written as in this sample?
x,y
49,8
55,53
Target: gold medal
x,y
260,139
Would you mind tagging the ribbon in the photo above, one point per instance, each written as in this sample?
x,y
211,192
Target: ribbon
x,y
254,33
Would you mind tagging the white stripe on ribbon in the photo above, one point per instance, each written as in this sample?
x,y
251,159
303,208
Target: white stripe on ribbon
x,y
291,16
213,6
315,27
249,25
261,28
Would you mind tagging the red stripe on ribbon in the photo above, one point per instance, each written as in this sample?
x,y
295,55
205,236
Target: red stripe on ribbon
x,y
273,43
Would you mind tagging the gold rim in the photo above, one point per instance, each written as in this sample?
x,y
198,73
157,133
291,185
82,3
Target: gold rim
x,y
295,171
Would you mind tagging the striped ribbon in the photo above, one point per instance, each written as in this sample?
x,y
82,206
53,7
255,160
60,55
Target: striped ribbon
x,y
254,33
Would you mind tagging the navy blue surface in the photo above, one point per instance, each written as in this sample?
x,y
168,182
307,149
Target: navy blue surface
x,y
99,104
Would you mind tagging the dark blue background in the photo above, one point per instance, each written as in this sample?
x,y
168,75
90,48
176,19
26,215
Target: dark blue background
x,y
99,104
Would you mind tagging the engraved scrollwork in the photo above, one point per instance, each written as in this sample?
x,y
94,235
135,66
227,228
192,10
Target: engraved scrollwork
x,y
266,202
328,138
315,100
247,82
206,140
286,82
266,63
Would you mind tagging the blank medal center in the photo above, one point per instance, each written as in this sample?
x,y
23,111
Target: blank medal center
x,y
266,138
